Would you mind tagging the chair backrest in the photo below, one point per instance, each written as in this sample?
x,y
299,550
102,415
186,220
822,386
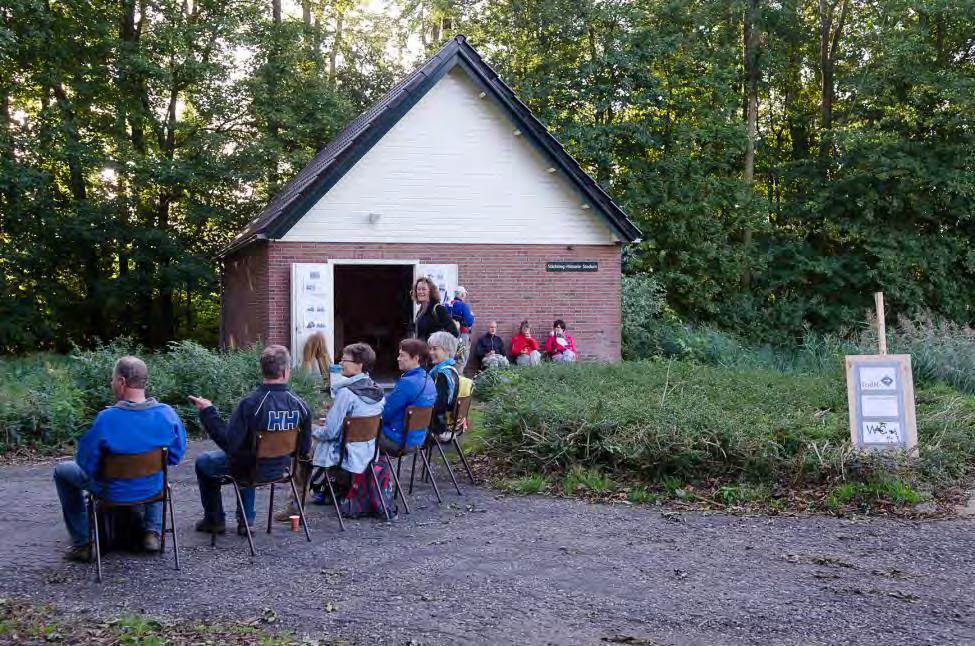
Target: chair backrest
x,y
276,444
118,466
461,410
417,418
361,429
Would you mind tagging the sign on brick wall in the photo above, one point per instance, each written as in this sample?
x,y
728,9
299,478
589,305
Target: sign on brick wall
x,y
572,265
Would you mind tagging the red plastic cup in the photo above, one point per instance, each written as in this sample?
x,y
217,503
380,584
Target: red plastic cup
x,y
294,522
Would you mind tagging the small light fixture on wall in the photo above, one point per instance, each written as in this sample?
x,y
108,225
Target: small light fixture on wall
x,y
374,217
585,207
517,133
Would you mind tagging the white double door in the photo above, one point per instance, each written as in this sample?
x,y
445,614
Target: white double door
x,y
313,295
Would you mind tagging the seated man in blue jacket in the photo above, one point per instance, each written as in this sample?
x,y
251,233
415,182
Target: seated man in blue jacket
x,y
135,424
414,388
270,407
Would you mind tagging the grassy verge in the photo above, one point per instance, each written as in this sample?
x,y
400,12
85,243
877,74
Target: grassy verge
x,y
715,436
23,621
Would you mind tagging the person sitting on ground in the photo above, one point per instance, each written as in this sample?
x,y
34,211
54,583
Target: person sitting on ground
x,y
270,407
445,378
414,388
463,318
560,346
489,349
358,396
524,348
316,360
433,316
135,424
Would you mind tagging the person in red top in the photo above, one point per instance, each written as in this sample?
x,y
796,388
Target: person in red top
x,y
524,348
560,346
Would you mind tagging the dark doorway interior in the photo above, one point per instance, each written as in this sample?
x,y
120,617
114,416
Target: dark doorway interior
x,y
372,305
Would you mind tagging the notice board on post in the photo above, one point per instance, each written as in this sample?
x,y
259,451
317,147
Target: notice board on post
x,y
880,390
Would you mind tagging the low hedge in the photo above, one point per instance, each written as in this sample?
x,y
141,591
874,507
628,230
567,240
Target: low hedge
x,y
49,400
654,421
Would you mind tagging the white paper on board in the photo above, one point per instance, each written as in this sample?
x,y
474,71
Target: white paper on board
x,y
882,432
879,406
878,377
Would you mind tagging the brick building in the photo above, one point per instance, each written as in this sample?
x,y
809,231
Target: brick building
x,y
448,175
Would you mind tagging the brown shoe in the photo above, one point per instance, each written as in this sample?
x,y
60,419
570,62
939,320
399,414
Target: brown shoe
x,y
151,542
284,516
79,553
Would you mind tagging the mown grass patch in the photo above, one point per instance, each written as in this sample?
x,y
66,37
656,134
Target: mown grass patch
x,y
730,436
23,621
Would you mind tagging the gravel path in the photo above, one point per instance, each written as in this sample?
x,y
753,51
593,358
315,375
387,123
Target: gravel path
x,y
488,568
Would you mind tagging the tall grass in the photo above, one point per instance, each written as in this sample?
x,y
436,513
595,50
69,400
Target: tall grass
x,y
660,421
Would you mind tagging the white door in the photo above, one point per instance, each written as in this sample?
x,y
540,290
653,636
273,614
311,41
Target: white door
x,y
443,276
312,305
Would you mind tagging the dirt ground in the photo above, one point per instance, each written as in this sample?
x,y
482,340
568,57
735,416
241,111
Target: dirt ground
x,y
488,569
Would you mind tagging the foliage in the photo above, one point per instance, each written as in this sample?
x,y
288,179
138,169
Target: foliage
x,y
137,139
48,400
530,484
670,423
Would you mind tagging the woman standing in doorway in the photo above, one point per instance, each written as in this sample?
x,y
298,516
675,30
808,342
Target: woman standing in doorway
x,y
432,315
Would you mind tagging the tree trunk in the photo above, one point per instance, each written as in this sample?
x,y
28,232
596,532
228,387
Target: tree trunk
x,y
276,11
829,39
306,12
336,45
751,54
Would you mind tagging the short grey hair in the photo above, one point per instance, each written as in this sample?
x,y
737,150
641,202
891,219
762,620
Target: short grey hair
x,y
133,370
460,291
275,360
445,340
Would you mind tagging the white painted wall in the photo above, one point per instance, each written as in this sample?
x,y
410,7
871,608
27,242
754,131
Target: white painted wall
x,y
453,171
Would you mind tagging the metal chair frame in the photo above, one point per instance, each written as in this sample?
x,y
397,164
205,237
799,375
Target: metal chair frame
x,y
116,466
415,419
268,445
461,415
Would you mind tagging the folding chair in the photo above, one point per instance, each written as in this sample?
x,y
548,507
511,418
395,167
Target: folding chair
x,y
115,466
269,445
355,429
417,418
456,428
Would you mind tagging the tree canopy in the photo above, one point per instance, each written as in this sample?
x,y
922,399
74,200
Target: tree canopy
x,y
783,159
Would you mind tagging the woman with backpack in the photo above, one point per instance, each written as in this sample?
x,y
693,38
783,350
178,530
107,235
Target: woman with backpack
x,y
446,379
433,316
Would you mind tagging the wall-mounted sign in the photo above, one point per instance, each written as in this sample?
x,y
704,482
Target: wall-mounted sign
x,y
880,390
572,265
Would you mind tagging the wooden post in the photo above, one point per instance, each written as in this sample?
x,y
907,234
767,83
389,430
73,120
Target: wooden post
x,y
878,299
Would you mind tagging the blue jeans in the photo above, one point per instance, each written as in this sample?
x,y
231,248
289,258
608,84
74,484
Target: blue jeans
x,y
72,483
210,467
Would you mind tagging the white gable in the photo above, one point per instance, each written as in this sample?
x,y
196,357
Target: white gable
x,y
452,170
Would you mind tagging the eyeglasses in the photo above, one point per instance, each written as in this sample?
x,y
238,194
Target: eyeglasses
x,y
344,360
436,347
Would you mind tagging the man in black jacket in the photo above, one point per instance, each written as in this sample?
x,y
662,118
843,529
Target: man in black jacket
x,y
489,349
271,407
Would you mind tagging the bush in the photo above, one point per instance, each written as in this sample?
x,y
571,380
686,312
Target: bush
x,y
47,400
672,422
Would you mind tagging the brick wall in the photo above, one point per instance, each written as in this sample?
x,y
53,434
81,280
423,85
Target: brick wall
x,y
245,299
506,283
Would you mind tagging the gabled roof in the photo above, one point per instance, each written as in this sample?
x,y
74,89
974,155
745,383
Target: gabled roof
x,y
333,161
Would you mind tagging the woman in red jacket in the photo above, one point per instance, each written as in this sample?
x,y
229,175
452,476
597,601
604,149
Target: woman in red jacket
x,y
560,346
524,348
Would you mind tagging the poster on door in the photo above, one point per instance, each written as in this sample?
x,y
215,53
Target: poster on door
x,y
311,304
443,276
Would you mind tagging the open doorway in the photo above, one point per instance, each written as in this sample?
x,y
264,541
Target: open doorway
x,y
372,305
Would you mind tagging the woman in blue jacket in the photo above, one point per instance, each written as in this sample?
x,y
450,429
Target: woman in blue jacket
x,y
414,388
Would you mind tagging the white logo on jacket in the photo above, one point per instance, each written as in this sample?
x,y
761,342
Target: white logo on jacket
x,y
282,420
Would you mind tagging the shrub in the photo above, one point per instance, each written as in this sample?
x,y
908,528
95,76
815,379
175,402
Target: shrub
x,y
525,485
672,422
47,400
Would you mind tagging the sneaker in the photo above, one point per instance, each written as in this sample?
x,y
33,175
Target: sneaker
x,y
211,527
79,553
151,542
284,516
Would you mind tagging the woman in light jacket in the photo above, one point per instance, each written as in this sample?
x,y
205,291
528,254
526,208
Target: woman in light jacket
x,y
358,396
